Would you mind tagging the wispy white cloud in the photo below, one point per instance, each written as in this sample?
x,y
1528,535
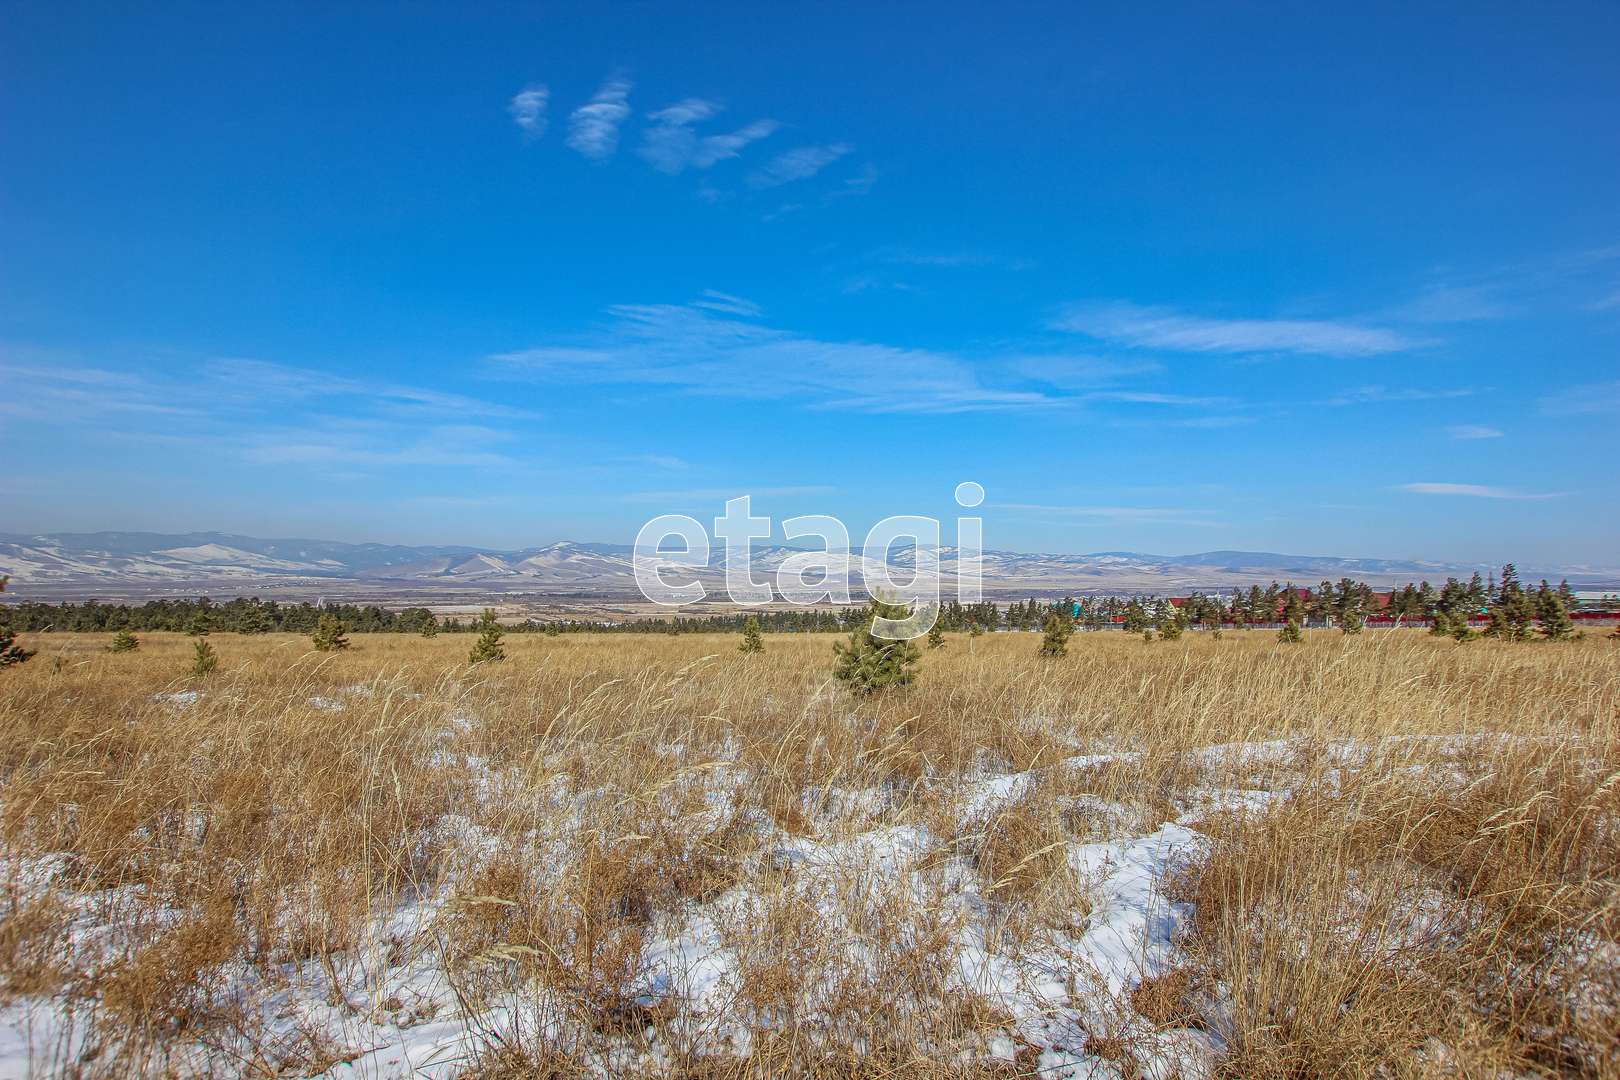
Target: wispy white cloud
x,y
1472,431
1121,514
731,305
1594,398
528,108
953,259
1143,398
1370,395
1164,328
663,461
672,146
712,494
265,413
1456,303
593,128
691,348
859,184
1563,281
796,164
1082,372
1478,491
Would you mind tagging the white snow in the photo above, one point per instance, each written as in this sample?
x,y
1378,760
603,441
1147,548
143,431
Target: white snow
x,y
400,1018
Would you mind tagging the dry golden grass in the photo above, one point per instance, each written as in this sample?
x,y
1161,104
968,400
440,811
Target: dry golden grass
x,y
1417,876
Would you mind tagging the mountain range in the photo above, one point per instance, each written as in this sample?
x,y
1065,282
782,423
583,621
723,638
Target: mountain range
x,y
134,564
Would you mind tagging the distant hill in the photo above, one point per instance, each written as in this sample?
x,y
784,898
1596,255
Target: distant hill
x,y
63,565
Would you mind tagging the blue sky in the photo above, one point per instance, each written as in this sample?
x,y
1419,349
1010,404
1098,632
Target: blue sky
x,y
1314,278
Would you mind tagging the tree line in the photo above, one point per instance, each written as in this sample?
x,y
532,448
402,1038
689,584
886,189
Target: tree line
x,y
202,616
1345,603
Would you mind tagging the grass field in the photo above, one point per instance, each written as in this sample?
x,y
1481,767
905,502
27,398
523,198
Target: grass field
x,y
1385,855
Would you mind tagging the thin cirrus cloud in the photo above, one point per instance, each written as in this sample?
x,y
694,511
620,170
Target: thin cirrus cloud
x,y
1163,328
1478,491
593,128
1594,398
731,305
294,416
1473,431
1119,514
797,164
692,348
528,109
671,146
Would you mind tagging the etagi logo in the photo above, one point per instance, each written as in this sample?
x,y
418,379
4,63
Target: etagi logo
x,y
830,564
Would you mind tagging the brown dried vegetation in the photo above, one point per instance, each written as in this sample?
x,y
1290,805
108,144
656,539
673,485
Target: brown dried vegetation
x,y
1422,880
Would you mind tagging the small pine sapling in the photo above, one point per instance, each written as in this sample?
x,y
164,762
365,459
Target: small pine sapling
x,y
203,659
936,636
1442,625
1170,628
10,652
1350,622
552,629
753,641
1291,633
488,645
430,627
1147,636
868,664
124,641
328,635
1058,631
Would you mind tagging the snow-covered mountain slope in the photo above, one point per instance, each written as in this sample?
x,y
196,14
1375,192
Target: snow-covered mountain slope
x,y
110,560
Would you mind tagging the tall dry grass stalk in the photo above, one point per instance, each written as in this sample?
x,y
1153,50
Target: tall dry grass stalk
x,y
1411,866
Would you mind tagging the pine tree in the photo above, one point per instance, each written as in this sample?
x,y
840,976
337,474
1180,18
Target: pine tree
x,y
1170,625
1512,614
488,645
1442,624
328,635
1293,609
430,627
203,659
1136,617
1291,632
10,652
1556,625
201,624
255,620
753,641
124,641
1350,621
936,635
868,664
552,630
976,630
1058,631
